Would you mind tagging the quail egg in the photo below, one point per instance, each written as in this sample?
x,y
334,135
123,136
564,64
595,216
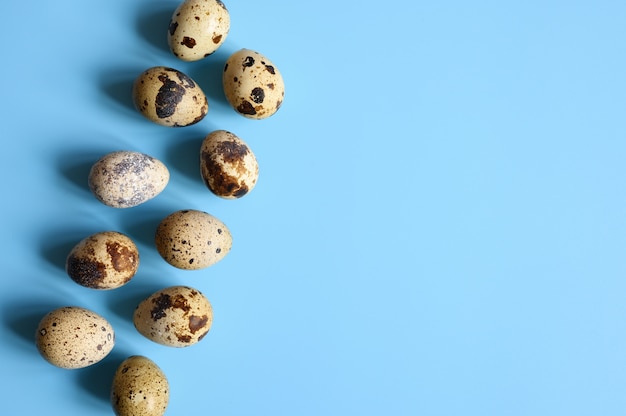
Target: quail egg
x,y
125,179
252,84
177,316
192,239
140,388
104,260
228,166
168,97
73,337
198,28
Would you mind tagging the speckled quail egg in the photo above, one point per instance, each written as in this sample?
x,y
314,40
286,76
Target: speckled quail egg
x,y
198,28
125,179
104,260
74,337
192,239
140,388
227,165
176,316
168,97
252,84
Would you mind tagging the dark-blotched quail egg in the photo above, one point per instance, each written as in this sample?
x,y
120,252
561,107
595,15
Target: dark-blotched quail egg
x,y
176,316
104,260
74,337
125,179
227,165
140,388
168,97
192,239
252,84
198,28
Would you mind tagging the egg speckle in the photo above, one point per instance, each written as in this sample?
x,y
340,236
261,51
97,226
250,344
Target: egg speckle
x,y
169,97
198,28
140,388
192,239
125,179
227,165
177,316
253,85
74,337
105,260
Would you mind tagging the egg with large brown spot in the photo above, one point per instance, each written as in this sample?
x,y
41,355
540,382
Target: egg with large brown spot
x,y
198,28
227,165
169,97
125,179
139,388
192,239
253,85
73,337
104,260
177,316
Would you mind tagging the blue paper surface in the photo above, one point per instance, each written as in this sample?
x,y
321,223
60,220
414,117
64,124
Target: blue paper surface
x,y
438,228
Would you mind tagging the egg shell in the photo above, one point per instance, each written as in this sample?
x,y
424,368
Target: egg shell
x,y
253,85
73,337
198,28
227,165
177,316
104,260
140,388
192,239
125,179
168,97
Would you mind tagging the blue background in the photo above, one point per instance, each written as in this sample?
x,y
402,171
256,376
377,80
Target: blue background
x,y
439,225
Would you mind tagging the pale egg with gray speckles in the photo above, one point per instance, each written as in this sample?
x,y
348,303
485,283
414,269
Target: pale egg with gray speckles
x,y
177,316
198,28
139,388
227,165
125,179
73,337
169,97
253,85
104,260
192,239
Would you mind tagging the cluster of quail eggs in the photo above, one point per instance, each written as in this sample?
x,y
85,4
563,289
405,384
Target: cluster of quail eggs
x,y
73,337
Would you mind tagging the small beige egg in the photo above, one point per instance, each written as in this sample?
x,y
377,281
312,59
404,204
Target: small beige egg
x,y
177,316
73,337
125,179
227,165
140,388
198,28
192,240
252,84
168,97
105,260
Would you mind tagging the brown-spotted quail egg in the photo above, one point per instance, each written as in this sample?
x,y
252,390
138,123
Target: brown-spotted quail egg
x,y
198,28
125,179
74,337
140,388
228,166
252,84
104,260
168,97
192,239
176,316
